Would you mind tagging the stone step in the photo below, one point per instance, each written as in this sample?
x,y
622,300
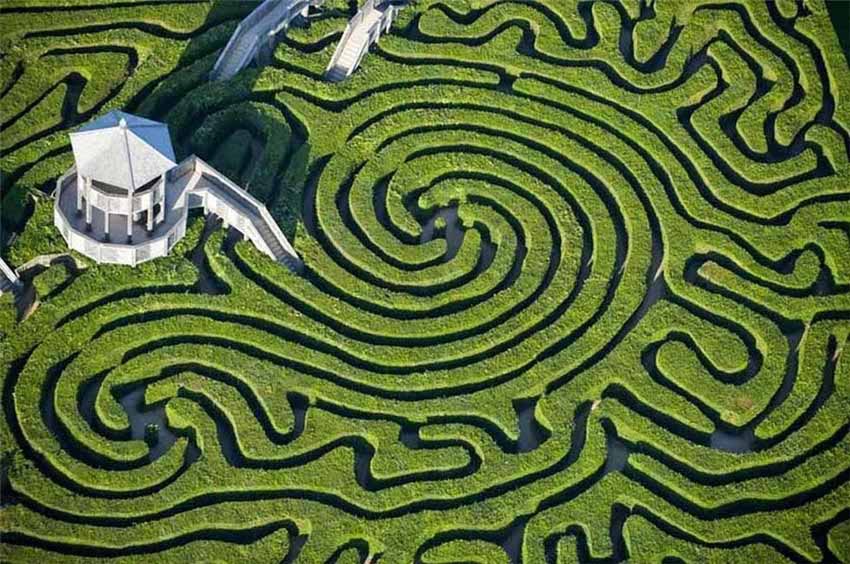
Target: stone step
x,y
232,59
348,54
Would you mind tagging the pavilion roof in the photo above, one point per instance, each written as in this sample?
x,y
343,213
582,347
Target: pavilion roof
x,y
123,150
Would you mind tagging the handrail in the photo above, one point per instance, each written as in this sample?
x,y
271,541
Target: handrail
x,y
371,34
274,11
245,24
47,260
9,273
261,210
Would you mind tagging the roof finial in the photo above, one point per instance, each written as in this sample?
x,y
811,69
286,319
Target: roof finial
x,y
123,123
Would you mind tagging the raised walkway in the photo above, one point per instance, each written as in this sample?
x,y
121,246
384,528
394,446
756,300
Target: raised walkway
x,y
240,210
260,25
191,184
364,29
9,280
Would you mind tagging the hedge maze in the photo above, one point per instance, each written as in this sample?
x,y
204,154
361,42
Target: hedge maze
x,y
576,289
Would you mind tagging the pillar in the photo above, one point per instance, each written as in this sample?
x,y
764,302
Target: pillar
x,y
87,185
160,216
150,210
81,185
106,223
129,215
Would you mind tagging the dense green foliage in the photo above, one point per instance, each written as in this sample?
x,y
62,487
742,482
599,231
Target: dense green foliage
x,y
40,237
577,289
50,280
8,313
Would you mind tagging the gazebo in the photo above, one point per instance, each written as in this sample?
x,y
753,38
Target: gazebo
x,y
122,159
126,201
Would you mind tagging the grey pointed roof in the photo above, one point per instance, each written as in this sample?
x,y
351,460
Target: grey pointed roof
x,y
123,150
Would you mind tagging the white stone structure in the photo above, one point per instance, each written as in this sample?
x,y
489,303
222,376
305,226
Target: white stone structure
x,y
9,279
121,161
372,19
257,29
126,200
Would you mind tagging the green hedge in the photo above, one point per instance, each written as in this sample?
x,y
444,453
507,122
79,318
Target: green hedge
x,y
49,281
666,259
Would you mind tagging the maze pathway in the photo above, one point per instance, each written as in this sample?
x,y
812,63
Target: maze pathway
x,y
576,288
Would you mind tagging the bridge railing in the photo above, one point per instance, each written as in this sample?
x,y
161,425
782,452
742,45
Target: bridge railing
x,y
373,33
244,26
246,200
9,274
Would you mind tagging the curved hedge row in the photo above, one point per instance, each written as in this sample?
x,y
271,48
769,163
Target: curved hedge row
x,y
576,289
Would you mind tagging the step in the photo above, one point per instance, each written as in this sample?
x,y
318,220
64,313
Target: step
x,y
274,243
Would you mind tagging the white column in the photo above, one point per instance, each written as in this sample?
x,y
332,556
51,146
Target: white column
x,y
106,223
160,215
80,187
87,184
150,209
129,214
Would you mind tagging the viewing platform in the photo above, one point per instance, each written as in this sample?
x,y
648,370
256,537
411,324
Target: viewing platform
x,y
101,214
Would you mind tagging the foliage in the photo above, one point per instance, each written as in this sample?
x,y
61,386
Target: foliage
x,y
8,313
50,280
637,352
40,236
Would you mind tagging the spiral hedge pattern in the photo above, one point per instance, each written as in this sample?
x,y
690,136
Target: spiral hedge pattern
x,y
576,289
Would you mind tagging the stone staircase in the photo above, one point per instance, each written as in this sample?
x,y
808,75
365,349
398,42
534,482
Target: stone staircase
x,y
364,29
347,61
9,281
235,206
235,58
278,252
258,27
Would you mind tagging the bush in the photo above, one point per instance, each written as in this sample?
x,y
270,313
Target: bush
x,y
47,282
637,353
